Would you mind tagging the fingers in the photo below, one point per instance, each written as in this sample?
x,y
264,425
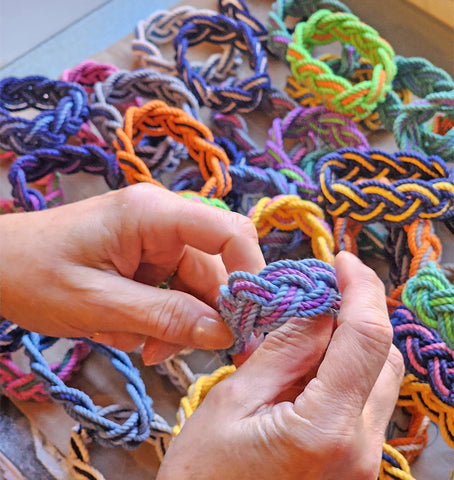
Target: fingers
x,y
156,351
284,357
382,400
128,342
359,347
115,303
206,228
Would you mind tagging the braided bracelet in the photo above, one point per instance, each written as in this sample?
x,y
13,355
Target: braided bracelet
x,y
65,159
430,295
425,354
289,212
88,73
337,93
393,465
99,422
415,392
279,36
156,119
433,86
352,185
162,27
233,96
284,289
14,383
63,109
10,336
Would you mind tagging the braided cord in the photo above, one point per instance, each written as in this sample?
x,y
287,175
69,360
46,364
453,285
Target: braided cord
x,y
289,212
414,392
26,386
337,93
394,466
283,290
376,186
80,458
88,73
10,336
430,295
133,426
63,109
156,119
235,95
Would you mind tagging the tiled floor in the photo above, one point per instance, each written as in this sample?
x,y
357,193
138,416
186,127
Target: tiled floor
x,y
48,36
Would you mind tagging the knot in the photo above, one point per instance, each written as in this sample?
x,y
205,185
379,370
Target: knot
x,y
283,290
337,93
234,96
289,212
430,295
376,186
425,354
157,119
111,425
63,111
88,73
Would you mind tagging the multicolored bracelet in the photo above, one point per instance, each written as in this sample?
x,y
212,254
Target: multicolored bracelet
x,y
63,109
374,185
337,93
101,423
65,159
283,290
156,118
15,383
234,95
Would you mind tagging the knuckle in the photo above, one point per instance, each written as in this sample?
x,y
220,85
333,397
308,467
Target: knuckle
x,y
166,320
243,226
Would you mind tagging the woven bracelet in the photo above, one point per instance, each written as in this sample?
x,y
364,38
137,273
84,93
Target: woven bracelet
x,y
337,93
63,109
425,353
414,392
430,295
160,154
110,426
66,159
289,212
234,95
16,384
374,185
409,249
279,36
284,289
156,118
434,87
88,73
162,27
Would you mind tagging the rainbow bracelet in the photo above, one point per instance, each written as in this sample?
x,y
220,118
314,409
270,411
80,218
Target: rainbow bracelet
x,y
337,93
63,109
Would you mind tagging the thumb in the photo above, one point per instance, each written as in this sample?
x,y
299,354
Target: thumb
x,y
114,303
285,356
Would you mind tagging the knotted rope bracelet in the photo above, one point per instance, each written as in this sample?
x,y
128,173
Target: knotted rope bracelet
x,y
409,249
63,109
425,354
65,159
157,119
235,95
88,73
160,153
110,426
17,384
434,89
374,185
289,212
10,336
282,290
279,36
337,93
430,295
161,28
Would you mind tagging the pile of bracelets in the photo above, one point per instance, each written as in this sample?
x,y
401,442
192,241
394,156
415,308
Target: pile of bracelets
x,y
313,183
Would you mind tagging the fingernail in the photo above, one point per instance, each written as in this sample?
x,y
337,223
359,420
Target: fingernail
x,y
211,333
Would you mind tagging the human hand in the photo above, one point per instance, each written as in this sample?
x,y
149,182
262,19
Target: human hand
x,y
93,266
306,404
